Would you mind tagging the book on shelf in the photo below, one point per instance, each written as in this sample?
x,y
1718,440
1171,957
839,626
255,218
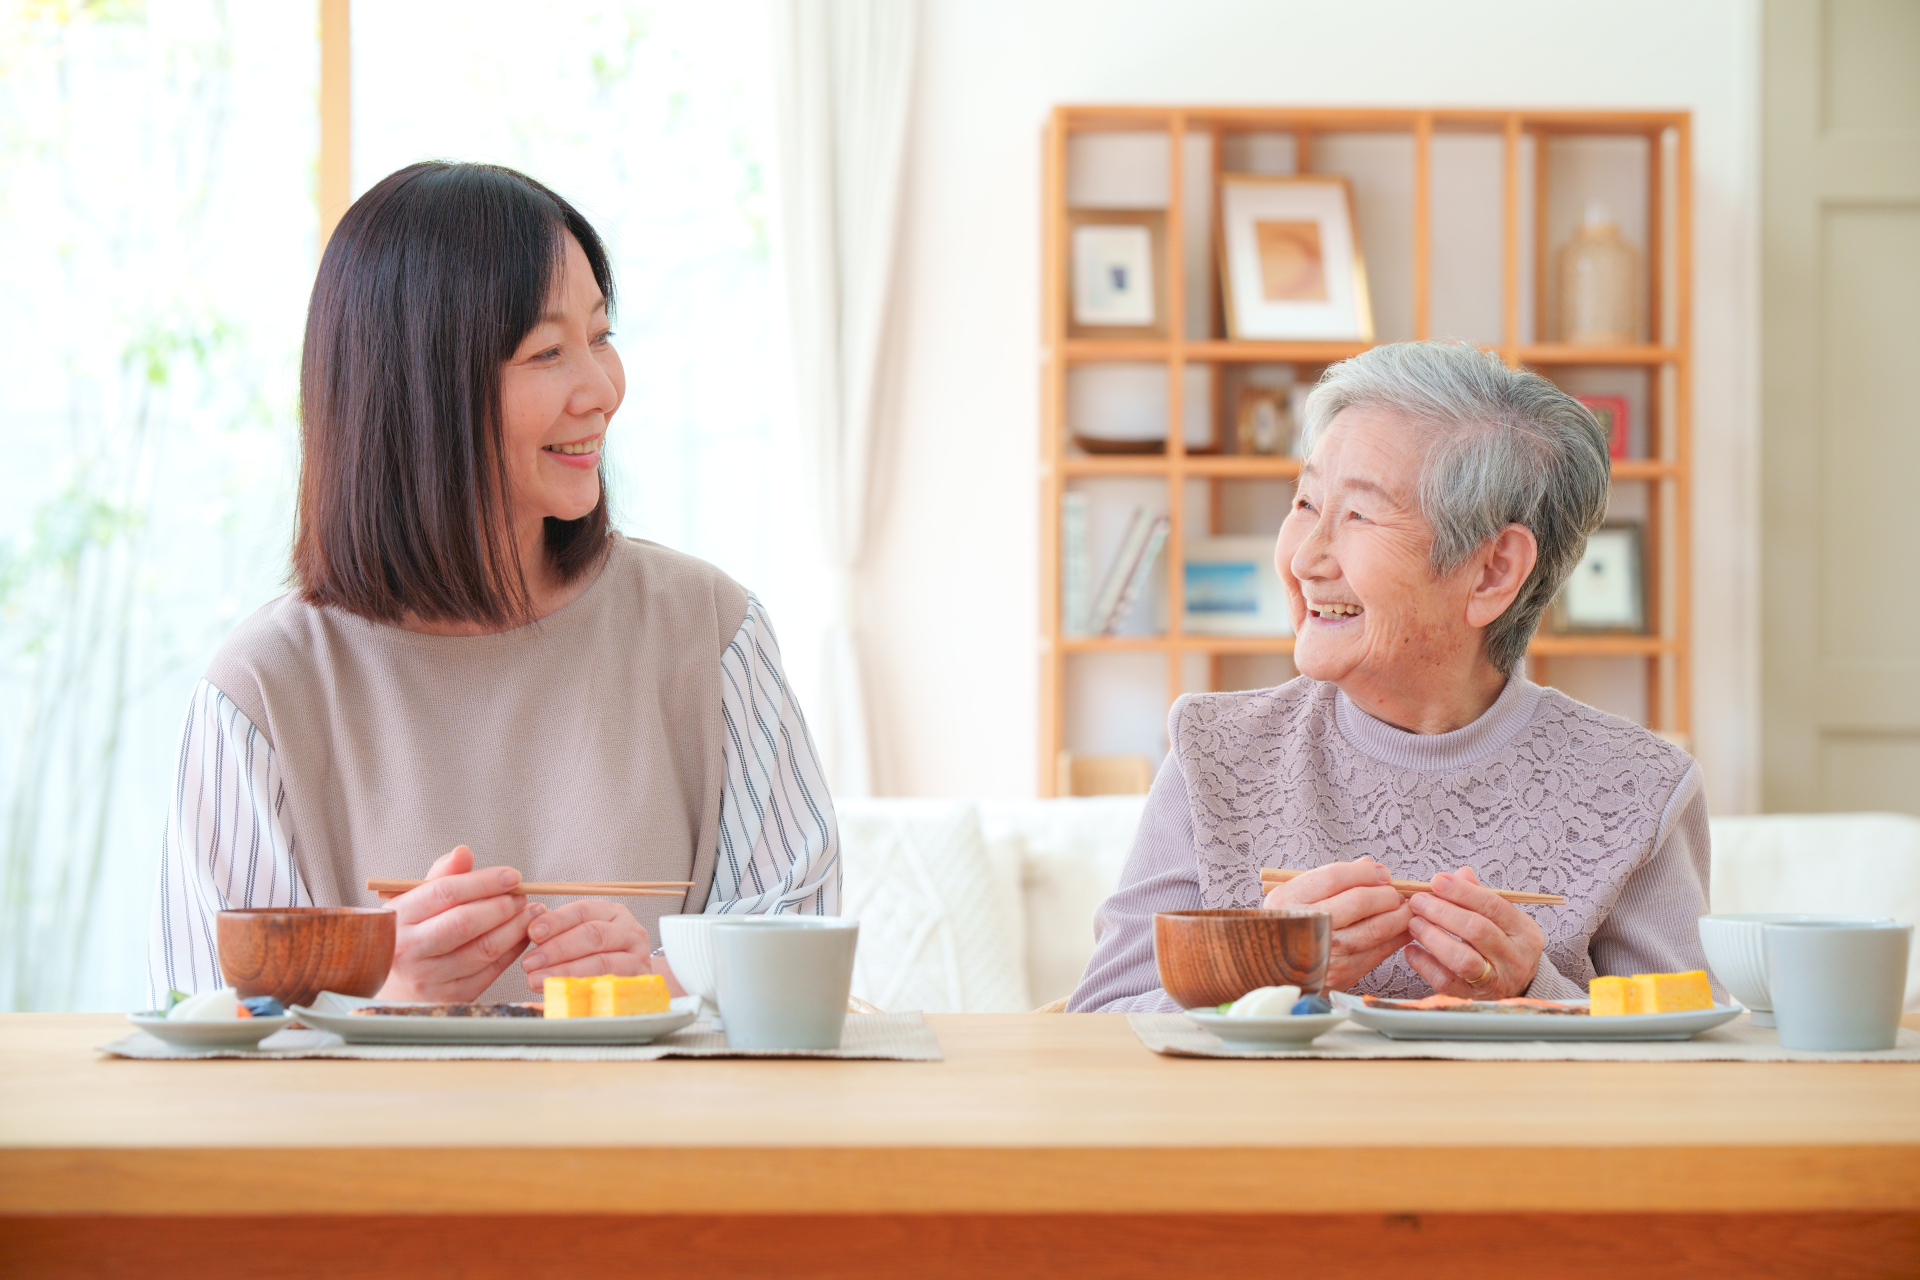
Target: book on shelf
x,y
1142,570
1076,575
1102,617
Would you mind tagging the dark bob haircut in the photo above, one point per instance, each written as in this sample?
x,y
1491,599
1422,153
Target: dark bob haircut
x,y
429,283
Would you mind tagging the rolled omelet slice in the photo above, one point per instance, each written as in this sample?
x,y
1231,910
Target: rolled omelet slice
x,y
1649,993
569,997
613,997
1669,992
1607,997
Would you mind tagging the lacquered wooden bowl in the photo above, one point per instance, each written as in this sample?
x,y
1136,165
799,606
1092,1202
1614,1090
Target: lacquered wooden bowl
x,y
295,953
1208,957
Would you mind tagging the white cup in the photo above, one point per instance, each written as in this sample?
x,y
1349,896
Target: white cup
x,y
783,981
1837,986
1736,952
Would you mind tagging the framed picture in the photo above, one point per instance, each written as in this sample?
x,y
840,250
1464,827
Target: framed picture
x,y
1232,589
1290,265
1606,591
1263,420
1117,273
1612,412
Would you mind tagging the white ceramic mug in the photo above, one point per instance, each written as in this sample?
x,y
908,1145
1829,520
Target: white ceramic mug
x,y
1737,953
1837,986
783,981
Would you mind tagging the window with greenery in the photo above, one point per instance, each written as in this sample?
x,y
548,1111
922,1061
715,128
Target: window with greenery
x,y
157,230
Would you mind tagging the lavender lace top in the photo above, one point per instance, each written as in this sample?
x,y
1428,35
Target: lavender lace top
x,y
1540,793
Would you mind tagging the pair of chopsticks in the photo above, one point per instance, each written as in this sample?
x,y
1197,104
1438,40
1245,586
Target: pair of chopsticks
x,y
1271,876
565,888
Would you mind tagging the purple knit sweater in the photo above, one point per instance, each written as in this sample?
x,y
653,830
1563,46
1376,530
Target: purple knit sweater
x,y
1540,793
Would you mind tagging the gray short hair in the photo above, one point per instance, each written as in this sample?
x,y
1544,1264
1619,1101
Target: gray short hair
x,y
1504,447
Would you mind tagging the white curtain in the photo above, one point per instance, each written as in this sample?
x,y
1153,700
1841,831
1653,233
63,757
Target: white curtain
x,y
843,72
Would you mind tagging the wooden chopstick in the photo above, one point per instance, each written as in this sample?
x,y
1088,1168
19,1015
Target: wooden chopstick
x,y
566,888
1270,876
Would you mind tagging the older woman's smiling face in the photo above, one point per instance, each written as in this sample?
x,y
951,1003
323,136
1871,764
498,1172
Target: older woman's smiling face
x,y
1368,612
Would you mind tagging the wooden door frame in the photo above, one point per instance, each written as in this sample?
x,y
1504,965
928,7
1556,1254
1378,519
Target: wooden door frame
x,y
335,187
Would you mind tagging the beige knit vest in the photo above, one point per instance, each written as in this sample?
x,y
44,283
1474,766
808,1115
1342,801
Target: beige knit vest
x,y
586,746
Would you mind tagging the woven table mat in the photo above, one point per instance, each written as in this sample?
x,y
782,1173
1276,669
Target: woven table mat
x,y
1175,1035
903,1037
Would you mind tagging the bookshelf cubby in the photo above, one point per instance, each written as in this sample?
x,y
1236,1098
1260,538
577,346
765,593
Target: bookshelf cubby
x,y
1460,214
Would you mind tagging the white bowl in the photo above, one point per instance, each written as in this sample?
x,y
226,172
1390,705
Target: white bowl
x,y
1736,952
688,940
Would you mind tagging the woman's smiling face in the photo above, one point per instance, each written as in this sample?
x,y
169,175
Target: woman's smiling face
x,y
558,393
1354,553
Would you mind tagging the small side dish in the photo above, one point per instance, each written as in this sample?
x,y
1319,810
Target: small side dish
x,y
1269,1018
216,1019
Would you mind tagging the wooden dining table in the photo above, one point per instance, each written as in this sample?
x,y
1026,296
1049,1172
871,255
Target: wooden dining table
x,y
1044,1145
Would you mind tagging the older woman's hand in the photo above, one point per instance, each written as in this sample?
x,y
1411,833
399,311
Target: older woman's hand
x,y
1469,941
585,939
457,932
1370,917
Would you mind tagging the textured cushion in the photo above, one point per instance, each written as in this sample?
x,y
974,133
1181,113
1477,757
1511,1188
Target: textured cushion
x,y
1865,864
1069,853
939,931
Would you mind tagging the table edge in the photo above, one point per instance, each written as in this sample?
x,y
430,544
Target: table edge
x,y
734,1180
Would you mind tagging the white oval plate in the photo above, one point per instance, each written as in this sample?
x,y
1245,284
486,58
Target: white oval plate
x,y
214,1033
334,1012
1293,1032
1438,1024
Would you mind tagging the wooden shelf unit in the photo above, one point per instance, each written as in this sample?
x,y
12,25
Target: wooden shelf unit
x,y
1666,356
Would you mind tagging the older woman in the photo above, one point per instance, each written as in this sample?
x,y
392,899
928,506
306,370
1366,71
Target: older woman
x,y
1444,501
473,662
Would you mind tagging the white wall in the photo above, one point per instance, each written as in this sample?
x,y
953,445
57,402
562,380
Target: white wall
x,y
950,588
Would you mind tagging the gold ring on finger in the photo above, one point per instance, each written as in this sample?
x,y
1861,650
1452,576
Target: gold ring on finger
x,y
1484,973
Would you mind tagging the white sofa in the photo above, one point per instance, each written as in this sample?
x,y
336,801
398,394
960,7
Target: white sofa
x,y
987,907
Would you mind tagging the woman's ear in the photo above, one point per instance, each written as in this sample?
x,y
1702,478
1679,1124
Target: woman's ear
x,y
1504,564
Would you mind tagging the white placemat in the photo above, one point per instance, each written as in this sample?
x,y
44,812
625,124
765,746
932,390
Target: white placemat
x,y
1175,1035
903,1037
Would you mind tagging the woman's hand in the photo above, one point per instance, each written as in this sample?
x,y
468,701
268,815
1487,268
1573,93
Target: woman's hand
x,y
1369,916
1469,941
584,939
457,932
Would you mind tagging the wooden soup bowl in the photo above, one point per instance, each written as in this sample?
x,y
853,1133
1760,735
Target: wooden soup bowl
x,y
1209,957
295,953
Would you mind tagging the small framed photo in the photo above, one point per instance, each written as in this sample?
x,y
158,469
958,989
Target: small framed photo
x,y
1117,273
1290,263
1263,420
1233,589
1606,591
1612,412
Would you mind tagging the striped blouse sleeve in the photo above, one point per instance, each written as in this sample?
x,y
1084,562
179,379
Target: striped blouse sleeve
x,y
779,846
225,843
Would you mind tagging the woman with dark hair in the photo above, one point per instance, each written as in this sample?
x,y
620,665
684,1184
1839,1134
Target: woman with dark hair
x,y
473,659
